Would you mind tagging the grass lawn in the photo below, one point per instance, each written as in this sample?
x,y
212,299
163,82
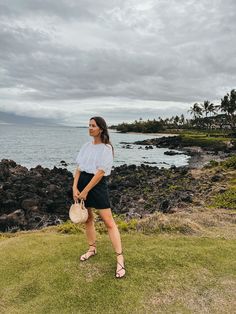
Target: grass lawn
x,y
222,135
207,140
40,272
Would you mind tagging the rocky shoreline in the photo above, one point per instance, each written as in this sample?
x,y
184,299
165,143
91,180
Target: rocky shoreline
x,y
199,155
31,199
40,197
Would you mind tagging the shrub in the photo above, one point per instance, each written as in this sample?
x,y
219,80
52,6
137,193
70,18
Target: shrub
x,y
226,199
70,228
160,223
127,225
230,162
212,164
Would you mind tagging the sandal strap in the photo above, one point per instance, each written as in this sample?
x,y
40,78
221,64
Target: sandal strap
x,y
85,254
122,267
92,251
117,272
93,244
117,254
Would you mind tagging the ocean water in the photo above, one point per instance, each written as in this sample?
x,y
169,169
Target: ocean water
x,y
31,145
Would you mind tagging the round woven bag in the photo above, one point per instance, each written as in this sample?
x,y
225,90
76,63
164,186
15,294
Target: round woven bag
x,y
78,213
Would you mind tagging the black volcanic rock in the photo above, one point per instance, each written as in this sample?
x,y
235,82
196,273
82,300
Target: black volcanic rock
x,y
38,192
144,189
172,153
39,197
165,141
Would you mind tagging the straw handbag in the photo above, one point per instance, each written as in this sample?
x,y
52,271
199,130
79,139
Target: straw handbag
x,y
78,212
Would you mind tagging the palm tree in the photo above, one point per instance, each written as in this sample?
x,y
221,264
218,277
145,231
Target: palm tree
x,y
176,121
171,120
228,105
167,120
205,107
196,110
212,109
182,119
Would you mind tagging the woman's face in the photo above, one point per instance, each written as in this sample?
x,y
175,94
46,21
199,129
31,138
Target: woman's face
x,y
94,130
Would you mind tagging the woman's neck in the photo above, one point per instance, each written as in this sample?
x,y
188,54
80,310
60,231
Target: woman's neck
x,y
97,140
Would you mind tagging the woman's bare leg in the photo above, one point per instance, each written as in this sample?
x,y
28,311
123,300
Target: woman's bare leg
x,y
114,235
90,234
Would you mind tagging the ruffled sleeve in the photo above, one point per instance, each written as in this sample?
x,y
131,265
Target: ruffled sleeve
x,y
80,156
106,160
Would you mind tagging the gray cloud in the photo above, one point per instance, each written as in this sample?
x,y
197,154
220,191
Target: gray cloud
x,y
60,56
113,110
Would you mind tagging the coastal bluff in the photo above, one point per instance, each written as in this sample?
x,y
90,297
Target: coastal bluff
x,y
39,197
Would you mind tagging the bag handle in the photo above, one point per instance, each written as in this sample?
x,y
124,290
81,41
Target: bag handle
x,y
81,202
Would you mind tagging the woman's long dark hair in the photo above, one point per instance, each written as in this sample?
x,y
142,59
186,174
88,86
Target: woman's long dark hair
x,y
101,123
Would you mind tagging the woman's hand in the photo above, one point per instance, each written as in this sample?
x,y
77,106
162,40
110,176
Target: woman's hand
x,y
83,195
76,194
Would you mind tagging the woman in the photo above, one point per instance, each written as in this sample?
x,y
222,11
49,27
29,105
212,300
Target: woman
x,y
95,161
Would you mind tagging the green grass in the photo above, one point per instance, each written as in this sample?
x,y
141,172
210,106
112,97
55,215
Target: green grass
x,y
226,199
213,140
198,132
204,141
230,163
41,273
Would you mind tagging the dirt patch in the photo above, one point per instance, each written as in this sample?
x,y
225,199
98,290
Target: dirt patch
x,y
206,295
196,221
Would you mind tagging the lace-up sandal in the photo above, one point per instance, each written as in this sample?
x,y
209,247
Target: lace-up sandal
x,y
117,275
84,257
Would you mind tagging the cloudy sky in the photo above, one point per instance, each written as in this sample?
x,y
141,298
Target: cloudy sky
x,y
65,60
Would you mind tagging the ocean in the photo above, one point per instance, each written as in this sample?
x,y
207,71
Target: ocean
x,y
32,145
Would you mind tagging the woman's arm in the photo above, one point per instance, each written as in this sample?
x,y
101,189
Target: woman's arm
x,y
75,183
96,178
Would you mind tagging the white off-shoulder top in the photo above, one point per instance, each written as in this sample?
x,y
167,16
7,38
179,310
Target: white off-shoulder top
x,y
94,157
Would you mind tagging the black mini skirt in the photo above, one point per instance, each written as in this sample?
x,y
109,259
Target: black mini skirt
x,y
98,196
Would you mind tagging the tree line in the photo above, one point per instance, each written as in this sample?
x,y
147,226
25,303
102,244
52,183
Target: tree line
x,y
205,116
